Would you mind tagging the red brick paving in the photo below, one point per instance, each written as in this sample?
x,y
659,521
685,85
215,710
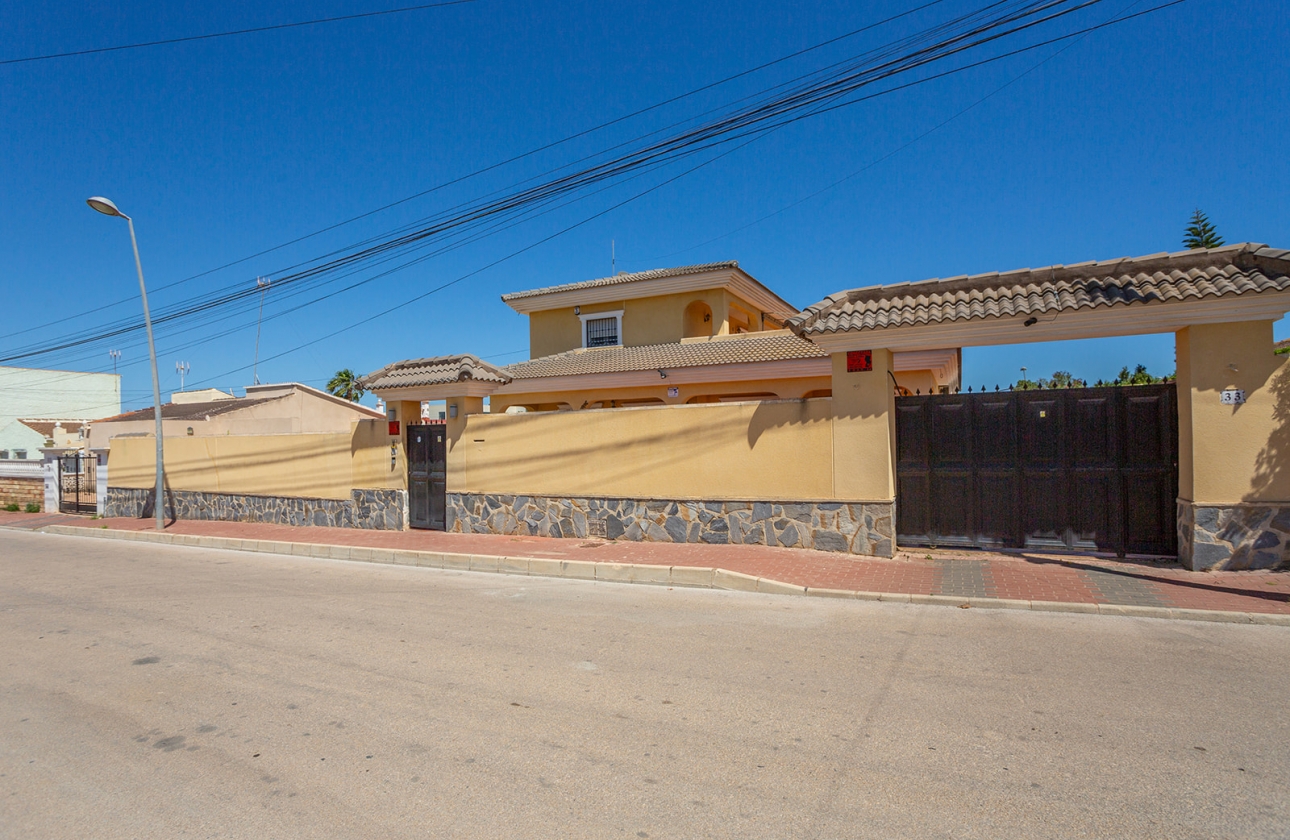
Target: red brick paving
x,y
1019,576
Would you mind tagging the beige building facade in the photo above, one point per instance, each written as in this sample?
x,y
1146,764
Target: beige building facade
x,y
781,429
695,405
285,453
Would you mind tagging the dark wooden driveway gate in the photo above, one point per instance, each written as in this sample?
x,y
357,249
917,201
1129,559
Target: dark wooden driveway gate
x,y
427,476
1091,469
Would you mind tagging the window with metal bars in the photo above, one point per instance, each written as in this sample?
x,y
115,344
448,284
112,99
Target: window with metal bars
x,y
602,332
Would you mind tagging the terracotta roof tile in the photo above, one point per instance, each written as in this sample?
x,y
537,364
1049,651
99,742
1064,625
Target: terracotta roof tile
x,y
45,428
1185,275
624,277
753,347
437,370
191,411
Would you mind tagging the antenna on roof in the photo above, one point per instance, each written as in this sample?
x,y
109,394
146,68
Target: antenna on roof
x,y
262,283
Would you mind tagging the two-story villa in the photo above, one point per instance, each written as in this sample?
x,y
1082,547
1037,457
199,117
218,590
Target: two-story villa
x,y
673,336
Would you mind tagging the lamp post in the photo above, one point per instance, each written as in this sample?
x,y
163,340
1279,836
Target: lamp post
x,y
107,208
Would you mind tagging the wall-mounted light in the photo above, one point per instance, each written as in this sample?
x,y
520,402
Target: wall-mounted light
x,y
577,310
662,374
1031,321
707,316
452,411
190,431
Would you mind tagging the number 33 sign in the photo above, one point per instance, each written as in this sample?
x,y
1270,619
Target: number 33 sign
x,y
859,360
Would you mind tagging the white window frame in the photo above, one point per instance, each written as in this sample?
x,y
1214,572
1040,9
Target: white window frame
x,y
617,315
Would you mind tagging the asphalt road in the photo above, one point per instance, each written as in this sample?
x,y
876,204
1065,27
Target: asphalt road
x,y
164,692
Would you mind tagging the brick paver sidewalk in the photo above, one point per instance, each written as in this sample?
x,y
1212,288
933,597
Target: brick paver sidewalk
x,y
1024,576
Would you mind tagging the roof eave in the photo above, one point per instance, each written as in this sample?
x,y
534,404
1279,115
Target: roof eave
x,y
734,279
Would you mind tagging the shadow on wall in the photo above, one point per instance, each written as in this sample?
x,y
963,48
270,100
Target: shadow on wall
x,y
530,448
149,509
773,415
1272,467
307,466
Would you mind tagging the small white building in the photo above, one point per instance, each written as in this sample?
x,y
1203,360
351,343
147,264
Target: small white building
x,y
41,408
58,396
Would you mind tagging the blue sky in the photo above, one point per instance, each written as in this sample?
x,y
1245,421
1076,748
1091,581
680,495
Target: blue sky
x,y
221,149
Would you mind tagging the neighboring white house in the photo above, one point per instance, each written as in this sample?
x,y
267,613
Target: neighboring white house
x,y
64,396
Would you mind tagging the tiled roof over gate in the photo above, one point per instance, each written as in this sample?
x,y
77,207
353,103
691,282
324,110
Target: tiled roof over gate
x,y
753,347
437,370
1185,275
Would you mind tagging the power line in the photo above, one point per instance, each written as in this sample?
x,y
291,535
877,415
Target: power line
x,y
818,96
234,32
492,264
569,138
806,99
1078,36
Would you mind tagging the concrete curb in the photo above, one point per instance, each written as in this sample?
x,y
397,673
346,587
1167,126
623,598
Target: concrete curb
x,y
689,576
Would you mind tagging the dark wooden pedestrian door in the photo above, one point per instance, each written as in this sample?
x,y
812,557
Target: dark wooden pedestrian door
x,y
427,473
1091,469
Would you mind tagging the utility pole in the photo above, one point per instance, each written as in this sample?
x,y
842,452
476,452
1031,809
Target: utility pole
x,y
182,369
115,354
262,283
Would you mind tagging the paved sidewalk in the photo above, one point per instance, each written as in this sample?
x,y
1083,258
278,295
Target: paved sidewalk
x,y
978,578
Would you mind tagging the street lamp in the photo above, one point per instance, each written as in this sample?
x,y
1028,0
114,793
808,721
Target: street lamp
x,y
107,208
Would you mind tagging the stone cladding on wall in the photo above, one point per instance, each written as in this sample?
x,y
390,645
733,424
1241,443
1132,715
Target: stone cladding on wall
x,y
824,526
22,491
380,510
1233,537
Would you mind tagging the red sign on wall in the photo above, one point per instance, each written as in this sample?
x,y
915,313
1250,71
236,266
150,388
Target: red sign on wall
x,y
859,360
394,428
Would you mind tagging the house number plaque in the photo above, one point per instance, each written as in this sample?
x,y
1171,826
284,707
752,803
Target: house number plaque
x,y
1232,396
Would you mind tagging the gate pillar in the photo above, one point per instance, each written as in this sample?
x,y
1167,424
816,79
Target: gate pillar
x,y
864,434
462,407
100,480
53,489
1233,448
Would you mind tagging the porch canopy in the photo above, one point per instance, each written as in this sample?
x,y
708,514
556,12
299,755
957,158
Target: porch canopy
x,y
1134,295
436,378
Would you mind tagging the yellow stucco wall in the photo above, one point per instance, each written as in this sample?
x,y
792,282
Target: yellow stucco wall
x,y
373,464
319,466
458,441
651,320
1232,453
864,432
917,381
555,331
770,450
787,389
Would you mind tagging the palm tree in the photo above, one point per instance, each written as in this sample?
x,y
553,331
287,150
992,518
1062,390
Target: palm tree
x,y
345,384
1200,233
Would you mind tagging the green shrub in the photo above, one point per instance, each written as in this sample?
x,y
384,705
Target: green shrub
x,y
32,507
12,507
